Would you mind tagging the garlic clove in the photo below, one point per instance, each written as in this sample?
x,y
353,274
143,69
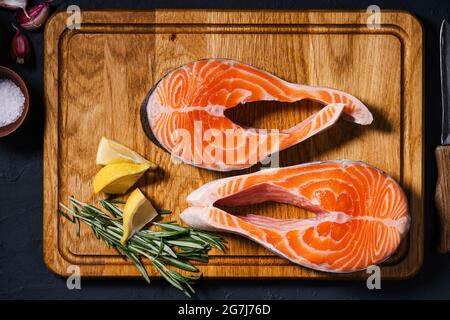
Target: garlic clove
x,y
34,17
13,4
20,49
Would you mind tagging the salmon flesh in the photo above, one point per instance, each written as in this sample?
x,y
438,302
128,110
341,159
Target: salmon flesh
x,y
184,113
361,214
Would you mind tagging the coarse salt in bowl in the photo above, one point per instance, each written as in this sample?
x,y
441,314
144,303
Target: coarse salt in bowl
x,y
14,101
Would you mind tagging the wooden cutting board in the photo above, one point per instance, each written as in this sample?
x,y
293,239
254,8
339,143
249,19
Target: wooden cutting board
x,y
97,77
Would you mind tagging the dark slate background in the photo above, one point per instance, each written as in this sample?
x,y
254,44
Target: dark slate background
x,y
22,271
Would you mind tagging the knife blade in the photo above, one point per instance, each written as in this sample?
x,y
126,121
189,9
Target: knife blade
x,y
442,195
445,83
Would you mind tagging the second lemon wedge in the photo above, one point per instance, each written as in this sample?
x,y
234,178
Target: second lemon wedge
x,y
117,178
137,212
110,152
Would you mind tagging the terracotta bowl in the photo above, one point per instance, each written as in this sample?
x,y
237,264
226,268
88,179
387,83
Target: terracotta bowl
x,y
14,77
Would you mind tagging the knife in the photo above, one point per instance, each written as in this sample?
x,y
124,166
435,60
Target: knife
x,y
442,196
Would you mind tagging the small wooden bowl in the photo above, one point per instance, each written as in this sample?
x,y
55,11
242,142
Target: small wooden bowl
x,y
14,77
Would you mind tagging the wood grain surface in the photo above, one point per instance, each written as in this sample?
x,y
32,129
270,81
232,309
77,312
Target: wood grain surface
x,y
97,77
442,196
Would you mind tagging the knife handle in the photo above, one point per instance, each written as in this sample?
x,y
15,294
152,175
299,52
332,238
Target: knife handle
x,y
442,196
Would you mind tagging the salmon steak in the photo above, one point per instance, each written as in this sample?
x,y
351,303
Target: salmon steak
x,y
361,214
184,113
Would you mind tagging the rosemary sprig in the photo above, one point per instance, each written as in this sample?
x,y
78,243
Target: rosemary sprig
x,y
170,248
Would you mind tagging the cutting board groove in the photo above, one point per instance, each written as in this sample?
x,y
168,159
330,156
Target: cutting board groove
x,y
97,77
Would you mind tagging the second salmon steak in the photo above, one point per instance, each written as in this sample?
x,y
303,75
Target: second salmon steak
x,y
361,214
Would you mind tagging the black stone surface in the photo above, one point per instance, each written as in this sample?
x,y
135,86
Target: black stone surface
x,y
22,271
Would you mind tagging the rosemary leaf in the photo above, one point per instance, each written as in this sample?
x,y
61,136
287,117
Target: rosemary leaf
x,y
112,200
187,244
179,264
66,216
115,212
77,223
168,276
169,226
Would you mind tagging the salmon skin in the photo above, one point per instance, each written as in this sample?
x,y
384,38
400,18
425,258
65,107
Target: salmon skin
x,y
361,213
184,113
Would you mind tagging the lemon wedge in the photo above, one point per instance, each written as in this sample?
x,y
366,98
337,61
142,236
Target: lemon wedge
x,y
117,178
110,152
137,212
